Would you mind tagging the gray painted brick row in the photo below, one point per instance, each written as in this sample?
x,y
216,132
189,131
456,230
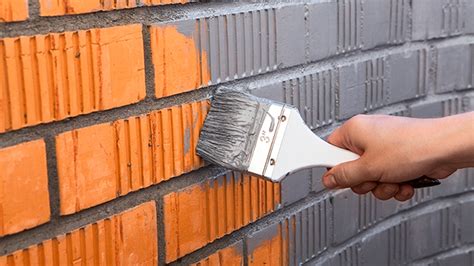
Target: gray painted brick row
x,y
454,67
257,41
437,109
460,259
352,88
441,18
410,239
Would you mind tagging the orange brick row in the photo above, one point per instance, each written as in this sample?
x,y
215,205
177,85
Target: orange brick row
x,y
63,7
199,214
59,75
128,238
99,163
229,256
24,197
13,10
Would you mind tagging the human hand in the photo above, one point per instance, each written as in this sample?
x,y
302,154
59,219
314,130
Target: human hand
x,y
393,150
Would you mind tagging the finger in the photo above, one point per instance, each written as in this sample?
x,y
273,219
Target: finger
x,y
405,193
364,188
349,174
385,191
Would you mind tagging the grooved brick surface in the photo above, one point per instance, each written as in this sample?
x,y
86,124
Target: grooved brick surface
x,y
201,213
101,162
63,7
24,196
13,10
180,64
229,256
128,238
269,246
59,75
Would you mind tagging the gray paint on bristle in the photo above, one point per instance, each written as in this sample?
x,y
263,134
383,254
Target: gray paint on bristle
x,y
230,130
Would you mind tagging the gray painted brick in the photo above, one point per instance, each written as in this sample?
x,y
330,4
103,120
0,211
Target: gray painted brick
x,y
375,249
454,68
421,240
290,37
385,22
352,89
309,233
295,187
436,109
346,215
438,18
408,75
322,26
457,259
349,256
467,222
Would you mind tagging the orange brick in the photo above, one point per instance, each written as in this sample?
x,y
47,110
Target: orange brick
x,y
59,75
230,256
180,65
102,162
63,7
13,10
24,196
269,246
204,212
128,238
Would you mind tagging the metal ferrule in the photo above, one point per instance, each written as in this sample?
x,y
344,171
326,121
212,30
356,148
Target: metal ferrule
x,y
270,137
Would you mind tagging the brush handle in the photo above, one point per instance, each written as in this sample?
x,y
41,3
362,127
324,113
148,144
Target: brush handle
x,y
301,149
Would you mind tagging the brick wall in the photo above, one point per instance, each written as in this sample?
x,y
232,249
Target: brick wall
x,y
101,103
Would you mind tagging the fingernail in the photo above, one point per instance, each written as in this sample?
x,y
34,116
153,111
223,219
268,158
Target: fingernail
x,y
330,181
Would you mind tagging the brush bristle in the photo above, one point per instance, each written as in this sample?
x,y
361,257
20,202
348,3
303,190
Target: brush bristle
x,y
230,130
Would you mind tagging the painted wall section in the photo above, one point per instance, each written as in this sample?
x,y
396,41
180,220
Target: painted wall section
x,y
133,153
59,75
23,180
128,238
65,7
13,10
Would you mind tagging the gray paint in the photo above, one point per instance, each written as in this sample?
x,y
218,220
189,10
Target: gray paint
x,y
295,187
228,136
467,222
351,94
346,215
290,41
322,25
455,68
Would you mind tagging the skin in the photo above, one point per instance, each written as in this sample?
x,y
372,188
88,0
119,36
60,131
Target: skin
x,y
398,149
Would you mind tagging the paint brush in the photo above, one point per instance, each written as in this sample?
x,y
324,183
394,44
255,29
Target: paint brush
x,y
270,139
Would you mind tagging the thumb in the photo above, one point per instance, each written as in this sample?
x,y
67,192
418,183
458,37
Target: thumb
x,y
348,174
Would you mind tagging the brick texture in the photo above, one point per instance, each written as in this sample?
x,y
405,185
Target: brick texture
x,y
23,180
13,10
128,238
63,7
59,75
96,164
231,256
204,212
102,103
